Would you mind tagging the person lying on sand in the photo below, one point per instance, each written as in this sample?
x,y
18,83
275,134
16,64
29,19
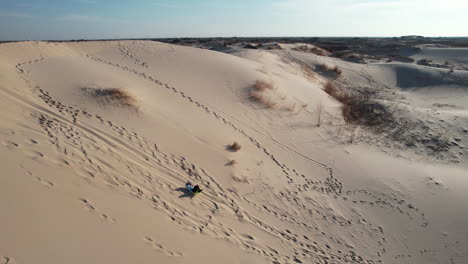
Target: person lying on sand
x,y
193,189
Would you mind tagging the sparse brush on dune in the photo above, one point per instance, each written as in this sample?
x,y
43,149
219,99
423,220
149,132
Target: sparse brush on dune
x,y
335,70
331,89
258,93
261,85
319,113
235,146
115,97
262,99
266,94
358,108
308,73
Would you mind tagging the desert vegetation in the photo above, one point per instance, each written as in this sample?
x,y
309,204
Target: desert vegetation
x,y
319,111
234,146
328,69
359,108
266,94
231,163
258,93
424,62
313,50
115,97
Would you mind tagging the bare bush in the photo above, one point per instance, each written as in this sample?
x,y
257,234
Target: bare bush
x,y
314,50
112,97
308,73
359,108
261,85
262,99
235,146
331,89
336,70
319,114
258,93
424,62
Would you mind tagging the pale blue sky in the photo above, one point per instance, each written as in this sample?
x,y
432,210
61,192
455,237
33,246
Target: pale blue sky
x,y
90,19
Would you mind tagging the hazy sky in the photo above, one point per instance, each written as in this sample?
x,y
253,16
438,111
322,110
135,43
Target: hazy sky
x,y
73,19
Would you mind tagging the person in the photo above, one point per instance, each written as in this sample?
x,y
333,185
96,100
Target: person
x,y
189,186
193,189
196,189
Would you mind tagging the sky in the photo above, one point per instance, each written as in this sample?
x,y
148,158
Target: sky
x,y
104,19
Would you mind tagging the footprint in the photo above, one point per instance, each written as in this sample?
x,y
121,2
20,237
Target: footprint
x,y
31,141
87,204
107,218
61,161
33,154
46,183
10,144
248,236
161,248
7,260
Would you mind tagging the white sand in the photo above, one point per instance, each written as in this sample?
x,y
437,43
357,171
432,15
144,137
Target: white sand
x,y
87,180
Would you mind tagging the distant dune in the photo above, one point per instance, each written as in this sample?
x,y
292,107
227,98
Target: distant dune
x,y
305,154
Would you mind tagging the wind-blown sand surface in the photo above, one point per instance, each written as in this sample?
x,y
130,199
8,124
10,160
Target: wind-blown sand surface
x,y
97,140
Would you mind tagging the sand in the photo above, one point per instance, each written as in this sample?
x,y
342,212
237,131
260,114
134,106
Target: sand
x,y
99,138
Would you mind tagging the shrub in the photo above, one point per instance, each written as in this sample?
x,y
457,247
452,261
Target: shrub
x,y
262,99
112,97
337,70
358,108
261,85
258,93
324,67
235,146
331,89
319,114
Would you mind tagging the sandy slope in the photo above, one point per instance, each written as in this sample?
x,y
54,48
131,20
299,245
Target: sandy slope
x,y
90,180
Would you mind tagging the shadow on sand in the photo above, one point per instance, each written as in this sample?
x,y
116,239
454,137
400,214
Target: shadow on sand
x,y
185,193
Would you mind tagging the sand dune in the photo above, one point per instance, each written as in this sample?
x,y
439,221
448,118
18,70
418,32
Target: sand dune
x,y
99,138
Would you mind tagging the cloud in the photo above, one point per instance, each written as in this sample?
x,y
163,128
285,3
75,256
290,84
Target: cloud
x,y
14,14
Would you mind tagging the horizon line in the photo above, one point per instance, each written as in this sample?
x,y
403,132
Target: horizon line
x,y
231,37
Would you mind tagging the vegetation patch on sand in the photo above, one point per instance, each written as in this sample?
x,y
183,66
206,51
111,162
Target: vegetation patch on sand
x,y
112,97
259,93
359,108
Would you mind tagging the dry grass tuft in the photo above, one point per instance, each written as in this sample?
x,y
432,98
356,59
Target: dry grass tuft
x,y
319,114
235,146
261,85
331,89
262,99
308,73
359,108
336,70
112,97
258,93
